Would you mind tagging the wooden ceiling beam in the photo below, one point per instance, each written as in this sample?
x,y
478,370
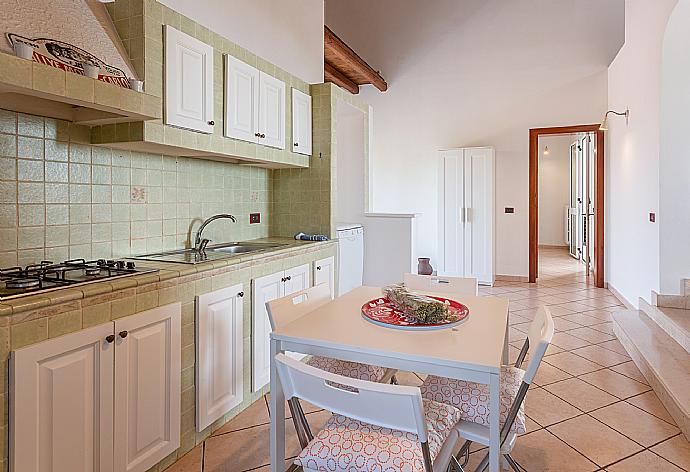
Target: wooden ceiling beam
x,y
331,74
335,46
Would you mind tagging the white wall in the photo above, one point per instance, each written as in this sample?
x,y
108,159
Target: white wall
x,y
674,162
634,81
288,34
475,73
350,151
554,188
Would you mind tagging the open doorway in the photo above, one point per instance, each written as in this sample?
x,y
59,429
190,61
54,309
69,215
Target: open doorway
x,y
566,203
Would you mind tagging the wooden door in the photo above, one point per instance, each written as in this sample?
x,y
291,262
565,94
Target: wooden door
x,y
301,122
241,100
479,213
324,273
61,408
271,111
219,348
147,388
264,289
188,82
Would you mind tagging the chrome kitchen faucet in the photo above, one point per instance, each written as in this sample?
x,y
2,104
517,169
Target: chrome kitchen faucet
x,y
199,243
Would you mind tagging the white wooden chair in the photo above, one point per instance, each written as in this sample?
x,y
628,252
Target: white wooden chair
x,y
286,310
441,284
473,399
374,426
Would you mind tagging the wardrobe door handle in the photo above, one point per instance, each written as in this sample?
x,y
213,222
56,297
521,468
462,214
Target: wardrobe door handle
x,y
123,334
110,338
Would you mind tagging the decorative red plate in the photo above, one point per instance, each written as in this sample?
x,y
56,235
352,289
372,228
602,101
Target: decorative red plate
x,y
382,312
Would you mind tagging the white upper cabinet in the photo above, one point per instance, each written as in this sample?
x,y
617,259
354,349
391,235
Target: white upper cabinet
x,y
147,388
219,366
271,111
254,105
301,122
62,404
188,82
241,100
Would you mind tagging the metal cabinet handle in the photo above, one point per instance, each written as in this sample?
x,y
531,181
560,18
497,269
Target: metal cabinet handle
x,y
110,338
123,334
288,278
211,122
262,136
241,294
258,135
296,144
318,267
283,279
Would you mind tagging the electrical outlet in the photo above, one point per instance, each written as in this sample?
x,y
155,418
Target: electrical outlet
x,y
510,210
254,218
652,217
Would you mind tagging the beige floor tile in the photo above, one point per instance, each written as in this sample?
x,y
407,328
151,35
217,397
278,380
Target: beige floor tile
x,y
635,424
568,342
600,355
245,449
560,310
595,440
542,451
615,383
516,335
591,335
561,324
581,394
615,346
572,364
629,369
582,319
256,414
408,378
603,315
675,450
645,460
604,328
650,403
548,374
306,407
190,462
577,307
546,408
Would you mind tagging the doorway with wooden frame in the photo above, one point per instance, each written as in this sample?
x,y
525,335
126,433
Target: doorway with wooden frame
x,y
597,205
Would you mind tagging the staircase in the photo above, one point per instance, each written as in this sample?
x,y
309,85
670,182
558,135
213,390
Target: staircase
x,y
657,337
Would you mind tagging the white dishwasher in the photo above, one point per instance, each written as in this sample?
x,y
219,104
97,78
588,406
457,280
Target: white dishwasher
x,y
350,256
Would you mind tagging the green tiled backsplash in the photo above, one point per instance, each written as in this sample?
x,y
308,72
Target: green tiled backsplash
x,y
63,198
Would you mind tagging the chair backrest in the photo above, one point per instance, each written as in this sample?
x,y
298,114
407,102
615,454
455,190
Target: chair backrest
x,y
539,337
287,309
390,406
443,284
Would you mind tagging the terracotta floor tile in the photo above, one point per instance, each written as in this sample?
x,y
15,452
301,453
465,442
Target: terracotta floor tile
x,y
675,450
546,408
568,342
547,374
561,324
577,307
542,451
629,369
595,440
190,462
582,319
650,403
560,310
635,424
601,355
591,335
603,315
306,407
615,383
572,364
255,414
615,346
515,335
581,394
645,460
604,328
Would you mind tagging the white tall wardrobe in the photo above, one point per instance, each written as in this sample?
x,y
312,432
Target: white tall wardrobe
x,y
466,213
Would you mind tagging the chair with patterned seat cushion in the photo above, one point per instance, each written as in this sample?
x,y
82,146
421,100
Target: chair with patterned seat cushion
x,y
472,399
374,426
287,309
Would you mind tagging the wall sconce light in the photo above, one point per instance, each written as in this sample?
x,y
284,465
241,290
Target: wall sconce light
x,y
605,123
546,151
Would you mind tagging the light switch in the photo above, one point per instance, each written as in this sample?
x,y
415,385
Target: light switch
x,y
652,217
510,210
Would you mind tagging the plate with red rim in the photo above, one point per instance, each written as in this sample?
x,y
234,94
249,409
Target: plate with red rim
x,y
382,312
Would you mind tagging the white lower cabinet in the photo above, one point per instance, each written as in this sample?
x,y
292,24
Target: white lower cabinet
x,y
324,273
265,289
104,399
219,353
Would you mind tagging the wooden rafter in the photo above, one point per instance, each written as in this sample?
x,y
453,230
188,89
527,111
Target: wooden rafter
x,y
350,67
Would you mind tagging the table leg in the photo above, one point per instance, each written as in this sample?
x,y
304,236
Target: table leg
x,y
277,437
494,424
506,346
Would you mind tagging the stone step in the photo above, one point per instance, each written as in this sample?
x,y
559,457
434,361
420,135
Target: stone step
x,y
663,362
675,321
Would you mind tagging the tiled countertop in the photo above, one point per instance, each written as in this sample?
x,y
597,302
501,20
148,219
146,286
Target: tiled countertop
x,y
167,271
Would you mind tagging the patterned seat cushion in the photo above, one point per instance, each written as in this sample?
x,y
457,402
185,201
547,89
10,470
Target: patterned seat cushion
x,y
347,445
353,370
473,398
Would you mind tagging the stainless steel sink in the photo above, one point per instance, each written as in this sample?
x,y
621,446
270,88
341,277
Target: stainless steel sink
x,y
212,253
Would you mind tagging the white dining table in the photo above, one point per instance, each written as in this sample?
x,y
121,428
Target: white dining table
x,y
473,350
